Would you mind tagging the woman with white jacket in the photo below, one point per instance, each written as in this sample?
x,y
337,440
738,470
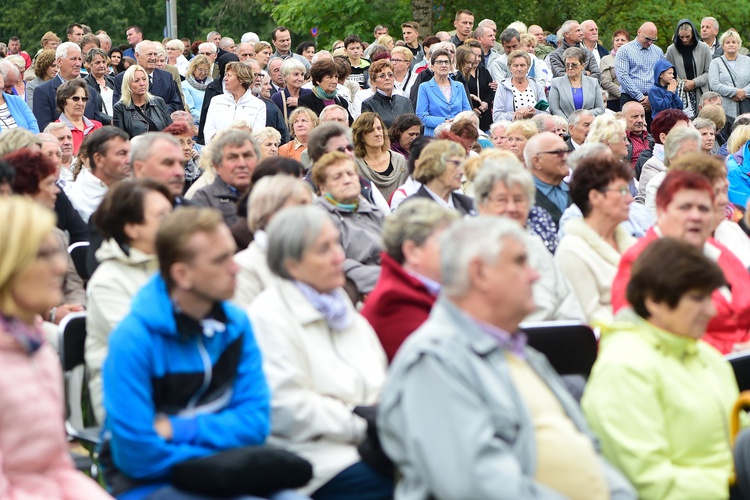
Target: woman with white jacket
x,y
323,362
589,253
236,103
128,219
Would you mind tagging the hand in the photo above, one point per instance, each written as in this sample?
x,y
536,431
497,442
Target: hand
x,y
64,310
530,112
493,85
645,103
163,427
672,86
519,114
689,84
291,101
741,94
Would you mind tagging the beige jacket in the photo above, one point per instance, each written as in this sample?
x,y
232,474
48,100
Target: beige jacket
x,y
110,290
253,277
590,264
316,376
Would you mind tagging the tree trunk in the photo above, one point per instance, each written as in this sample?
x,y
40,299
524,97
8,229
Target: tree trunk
x,y
422,13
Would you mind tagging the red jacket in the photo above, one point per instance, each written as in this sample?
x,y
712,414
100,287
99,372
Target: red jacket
x,y
731,325
397,306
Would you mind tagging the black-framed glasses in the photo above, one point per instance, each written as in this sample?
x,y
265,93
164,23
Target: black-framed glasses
x,y
623,191
344,149
77,98
442,62
559,152
650,40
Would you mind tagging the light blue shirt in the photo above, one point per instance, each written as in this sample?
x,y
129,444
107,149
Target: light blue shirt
x,y
556,194
634,66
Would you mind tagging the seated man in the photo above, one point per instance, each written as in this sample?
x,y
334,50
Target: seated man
x,y
452,415
183,378
234,155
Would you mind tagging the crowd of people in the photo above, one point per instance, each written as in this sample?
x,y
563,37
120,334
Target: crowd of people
x,y
306,273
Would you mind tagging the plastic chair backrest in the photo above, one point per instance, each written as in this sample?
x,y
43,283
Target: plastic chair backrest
x,y
571,347
740,362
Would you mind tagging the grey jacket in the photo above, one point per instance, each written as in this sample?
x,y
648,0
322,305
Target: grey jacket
x,y
389,108
454,423
702,58
359,233
556,62
221,196
561,96
720,80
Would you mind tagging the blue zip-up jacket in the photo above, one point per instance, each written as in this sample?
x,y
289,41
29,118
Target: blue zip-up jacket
x,y
211,385
21,113
659,97
738,175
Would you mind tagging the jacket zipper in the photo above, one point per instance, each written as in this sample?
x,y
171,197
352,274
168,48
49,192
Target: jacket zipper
x,y
207,374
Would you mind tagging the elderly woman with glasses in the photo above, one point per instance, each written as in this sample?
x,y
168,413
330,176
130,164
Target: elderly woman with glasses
x,y
384,101
197,78
71,98
575,90
174,49
503,187
439,100
440,170
589,253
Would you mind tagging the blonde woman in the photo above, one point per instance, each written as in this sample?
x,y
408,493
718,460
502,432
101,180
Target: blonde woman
x,y
302,122
138,111
197,78
174,49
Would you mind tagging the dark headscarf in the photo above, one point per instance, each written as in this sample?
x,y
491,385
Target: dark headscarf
x,y
686,50
225,59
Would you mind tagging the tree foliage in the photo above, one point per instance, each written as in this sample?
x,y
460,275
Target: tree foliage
x,y
334,19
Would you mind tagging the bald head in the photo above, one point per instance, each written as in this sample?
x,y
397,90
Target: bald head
x,y
647,34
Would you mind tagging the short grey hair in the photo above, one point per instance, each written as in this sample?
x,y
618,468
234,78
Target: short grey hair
x,y
270,194
509,34
226,42
266,132
323,54
585,151
330,108
291,233
231,137
176,43
510,172
7,67
54,126
290,65
250,37
707,96
212,34
541,120
480,237
701,123
576,116
320,135
207,46
497,124
606,128
61,52
564,28
415,220
713,20
143,45
140,150
532,148
676,138
103,37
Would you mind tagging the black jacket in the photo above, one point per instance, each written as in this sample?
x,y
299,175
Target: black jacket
x,y
313,102
463,204
110,82
131,121
389,108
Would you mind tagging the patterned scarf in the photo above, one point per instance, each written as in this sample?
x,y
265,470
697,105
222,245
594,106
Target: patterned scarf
x,y
332,306
199,86
29,336
344,207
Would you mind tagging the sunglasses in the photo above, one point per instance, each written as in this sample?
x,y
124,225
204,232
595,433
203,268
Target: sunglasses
x,y
77,98
343,149
651,40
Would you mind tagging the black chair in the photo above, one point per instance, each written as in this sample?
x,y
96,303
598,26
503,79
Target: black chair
x,y
78,412
571,347
740,362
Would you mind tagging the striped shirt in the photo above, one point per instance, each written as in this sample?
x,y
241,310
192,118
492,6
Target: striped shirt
x,y
7,121
634,66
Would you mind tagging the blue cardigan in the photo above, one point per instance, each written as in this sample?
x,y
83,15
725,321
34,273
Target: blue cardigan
x,y
21,113
433,109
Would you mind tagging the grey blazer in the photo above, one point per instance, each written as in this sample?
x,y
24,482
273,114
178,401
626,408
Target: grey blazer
x,y
561,96
454,422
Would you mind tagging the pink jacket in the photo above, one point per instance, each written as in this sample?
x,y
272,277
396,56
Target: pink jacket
x,y
34,459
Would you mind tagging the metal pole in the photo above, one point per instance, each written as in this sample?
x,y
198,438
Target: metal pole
x,y
171,11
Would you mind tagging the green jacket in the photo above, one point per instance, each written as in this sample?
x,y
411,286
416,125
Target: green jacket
x,y
660,405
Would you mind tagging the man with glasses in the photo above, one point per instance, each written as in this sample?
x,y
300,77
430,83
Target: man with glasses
x,y
572,36
634,65
384,102
209,50
546,157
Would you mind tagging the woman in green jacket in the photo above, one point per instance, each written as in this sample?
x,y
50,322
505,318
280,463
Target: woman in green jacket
x,y
659,399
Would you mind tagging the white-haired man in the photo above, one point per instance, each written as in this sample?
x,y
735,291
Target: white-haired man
x,y
452,414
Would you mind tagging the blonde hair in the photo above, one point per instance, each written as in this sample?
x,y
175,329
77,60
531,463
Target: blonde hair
x,y
739,137
270,194
199,60
606,128
127,79
432,161
527,128
300,110
730,33
26,225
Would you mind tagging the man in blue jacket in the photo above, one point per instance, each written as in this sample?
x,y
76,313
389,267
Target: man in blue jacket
x,y
183,378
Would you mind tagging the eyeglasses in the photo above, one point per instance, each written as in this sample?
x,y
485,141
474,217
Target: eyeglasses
x,y
650,40
187,142
398,60
77,98
559,152
343,149
384,76
442,62
572,66
623,191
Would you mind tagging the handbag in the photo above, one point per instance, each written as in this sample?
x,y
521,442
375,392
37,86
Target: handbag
x,y
742,106
249,470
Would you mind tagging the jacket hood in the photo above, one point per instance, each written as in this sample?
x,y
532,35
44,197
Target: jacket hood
x,y
676,37
661,66
626,320
111,250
